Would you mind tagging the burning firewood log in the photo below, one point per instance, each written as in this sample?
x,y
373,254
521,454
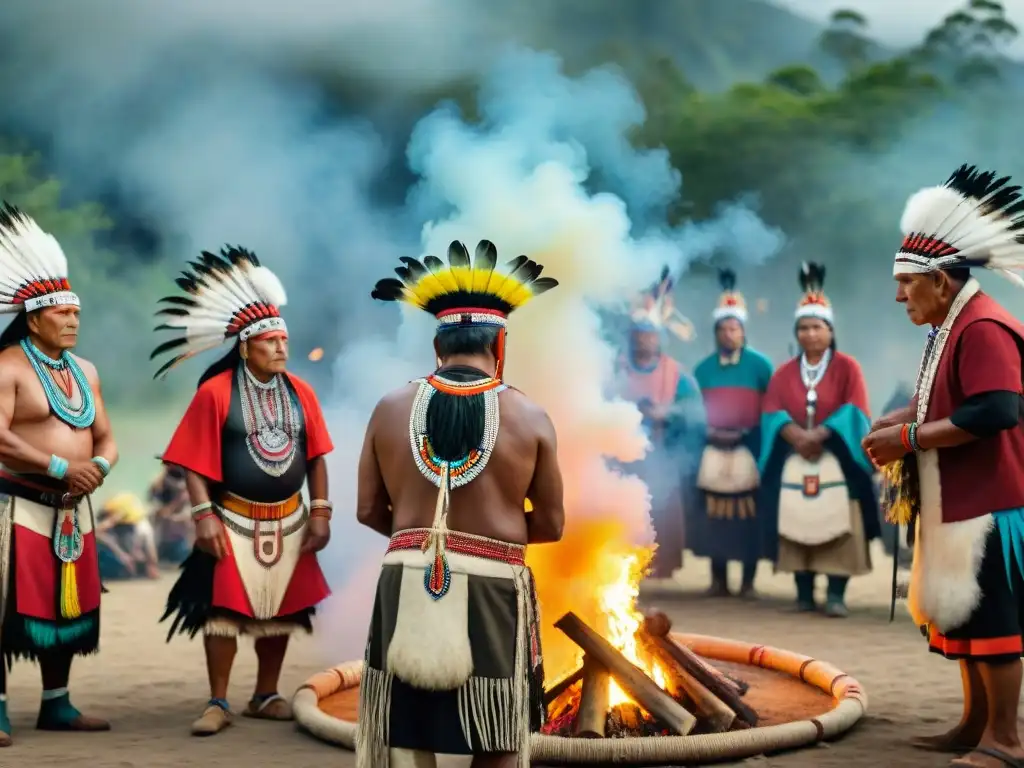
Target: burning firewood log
x,y
562,686
632,679
711,711
699,670
595,697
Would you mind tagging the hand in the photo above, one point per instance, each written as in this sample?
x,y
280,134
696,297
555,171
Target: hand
x,y
83,477
318,533
886,421
807,445
210,537
885,446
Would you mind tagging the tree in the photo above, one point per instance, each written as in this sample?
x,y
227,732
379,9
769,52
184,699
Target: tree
x,y
968,45
846,39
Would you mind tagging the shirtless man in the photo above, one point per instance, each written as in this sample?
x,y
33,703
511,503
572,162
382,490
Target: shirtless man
x,y
455,622
56,448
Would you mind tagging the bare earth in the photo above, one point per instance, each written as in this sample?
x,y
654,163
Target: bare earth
x,y
152,690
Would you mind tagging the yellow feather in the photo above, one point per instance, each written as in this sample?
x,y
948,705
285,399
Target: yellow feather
x,y
522,294
510,286
481,279
463,278
447,279
426,288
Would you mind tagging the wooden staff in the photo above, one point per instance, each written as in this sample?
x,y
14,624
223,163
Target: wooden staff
x,y
632,679
594,699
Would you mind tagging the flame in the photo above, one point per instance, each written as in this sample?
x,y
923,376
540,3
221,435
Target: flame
x,y
594,572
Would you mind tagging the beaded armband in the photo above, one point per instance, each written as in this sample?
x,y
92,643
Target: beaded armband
x,y
58,467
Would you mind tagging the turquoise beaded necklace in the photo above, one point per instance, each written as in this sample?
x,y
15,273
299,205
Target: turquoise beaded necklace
x,y
79,418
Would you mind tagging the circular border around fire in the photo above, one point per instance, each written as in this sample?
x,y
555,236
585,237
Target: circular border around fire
x,y
851,704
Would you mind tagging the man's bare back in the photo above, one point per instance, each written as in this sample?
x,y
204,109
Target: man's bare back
x,y
23,400
523,465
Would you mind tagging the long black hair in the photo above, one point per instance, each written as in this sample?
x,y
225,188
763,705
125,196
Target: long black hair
x,y
15,331
229,362
455,423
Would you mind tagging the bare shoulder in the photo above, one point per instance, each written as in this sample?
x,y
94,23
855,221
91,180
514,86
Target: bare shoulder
x,y
91,374
514,402
396,399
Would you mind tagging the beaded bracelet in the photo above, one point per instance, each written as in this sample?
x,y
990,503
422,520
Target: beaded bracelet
x,y
58,467
321,504
102,463
912,437
198,509
202,516
905,438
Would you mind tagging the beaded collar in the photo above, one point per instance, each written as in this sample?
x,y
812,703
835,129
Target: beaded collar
x,y
80,416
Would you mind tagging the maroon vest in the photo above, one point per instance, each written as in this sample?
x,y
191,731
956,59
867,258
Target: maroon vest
x,y
986,475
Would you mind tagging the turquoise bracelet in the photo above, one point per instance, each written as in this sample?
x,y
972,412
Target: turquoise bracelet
x,y
58,467
103,464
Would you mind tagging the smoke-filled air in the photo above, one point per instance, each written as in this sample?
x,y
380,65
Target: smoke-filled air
x,y
605,140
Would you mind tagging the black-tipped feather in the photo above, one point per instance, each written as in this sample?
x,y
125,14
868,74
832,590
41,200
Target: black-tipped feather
x,y
388,289
168,345
727,279
414,268
486,256
812,277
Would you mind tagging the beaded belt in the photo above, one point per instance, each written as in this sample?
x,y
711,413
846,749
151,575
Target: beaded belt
x,y
463,544
257,510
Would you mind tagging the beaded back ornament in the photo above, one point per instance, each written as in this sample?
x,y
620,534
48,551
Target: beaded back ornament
x,y
463,293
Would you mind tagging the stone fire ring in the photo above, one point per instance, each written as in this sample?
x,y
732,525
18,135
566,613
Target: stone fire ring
x,y
851,702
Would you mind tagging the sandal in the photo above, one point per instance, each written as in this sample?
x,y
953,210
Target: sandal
x,y
272,707
998,754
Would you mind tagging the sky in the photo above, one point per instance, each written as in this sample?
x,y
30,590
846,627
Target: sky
x,y
900,21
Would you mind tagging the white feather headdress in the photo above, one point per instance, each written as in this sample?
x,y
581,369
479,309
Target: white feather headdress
x,y
814,302
226,295
731,303
656,310
33,267
973,220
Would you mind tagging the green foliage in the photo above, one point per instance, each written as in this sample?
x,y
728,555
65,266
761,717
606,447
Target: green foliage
x,y
775,129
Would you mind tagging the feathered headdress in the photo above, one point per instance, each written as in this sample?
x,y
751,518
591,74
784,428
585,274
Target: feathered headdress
x,y
33,267
467,292
226,295
973,220
655,310
814,302
731,303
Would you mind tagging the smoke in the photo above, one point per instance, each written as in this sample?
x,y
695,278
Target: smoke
x,y
520,178
197,113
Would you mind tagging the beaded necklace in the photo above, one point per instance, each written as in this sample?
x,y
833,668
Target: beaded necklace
x,y
80,416
447,475
271,426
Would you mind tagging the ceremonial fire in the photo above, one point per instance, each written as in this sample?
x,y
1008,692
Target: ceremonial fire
x,y
627,675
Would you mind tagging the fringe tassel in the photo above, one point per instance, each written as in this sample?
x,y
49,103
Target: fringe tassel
x,y
899,492
498,709
69,605
373,721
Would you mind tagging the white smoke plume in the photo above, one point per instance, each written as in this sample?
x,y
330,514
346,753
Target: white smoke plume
x,y
178,106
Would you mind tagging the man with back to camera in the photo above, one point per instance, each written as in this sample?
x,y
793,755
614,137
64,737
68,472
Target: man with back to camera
x,y
455,625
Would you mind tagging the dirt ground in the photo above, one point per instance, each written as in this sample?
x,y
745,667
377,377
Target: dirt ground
x,y
152,690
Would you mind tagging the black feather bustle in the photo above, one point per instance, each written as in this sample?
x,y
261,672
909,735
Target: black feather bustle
x,y
727,279
812,277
